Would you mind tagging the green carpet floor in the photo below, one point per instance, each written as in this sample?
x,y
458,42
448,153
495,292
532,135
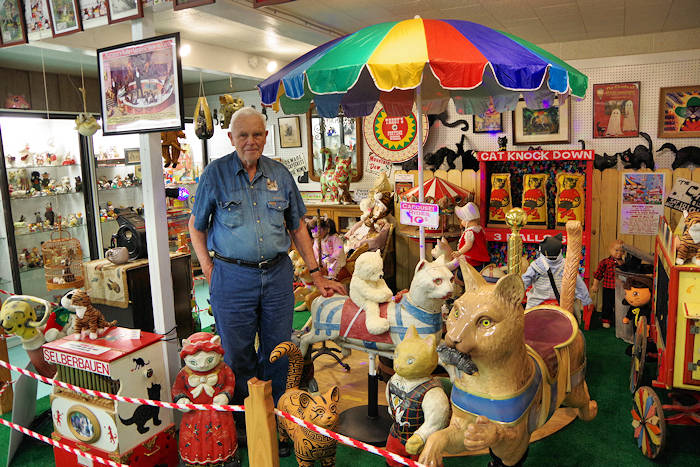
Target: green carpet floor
x,y
606,441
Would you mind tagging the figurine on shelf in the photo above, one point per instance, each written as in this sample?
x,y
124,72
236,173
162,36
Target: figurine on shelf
x,y
45,180
89,321
368,289
78,184
638,298
327,246
37,218
207,438
170,146
110,211
50,215
502,143
689,246
36,181
472,244
72,220
545,274
321,410
605,275
417,403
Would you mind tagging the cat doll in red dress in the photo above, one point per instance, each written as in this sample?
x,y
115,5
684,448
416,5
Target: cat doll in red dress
x,y
207,438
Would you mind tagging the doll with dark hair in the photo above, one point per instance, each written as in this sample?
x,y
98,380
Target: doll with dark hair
x,y
328,246
638,298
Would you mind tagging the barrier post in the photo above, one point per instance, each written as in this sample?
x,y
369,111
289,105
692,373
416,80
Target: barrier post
x,y
261,427
5,377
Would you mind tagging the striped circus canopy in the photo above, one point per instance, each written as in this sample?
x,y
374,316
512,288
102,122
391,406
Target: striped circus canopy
x,y
467,62
439,191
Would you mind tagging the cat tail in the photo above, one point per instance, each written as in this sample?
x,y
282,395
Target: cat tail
x,y
648,138
296,362
128,421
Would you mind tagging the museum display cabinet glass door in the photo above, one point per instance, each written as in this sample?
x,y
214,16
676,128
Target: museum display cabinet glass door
x,y
45,182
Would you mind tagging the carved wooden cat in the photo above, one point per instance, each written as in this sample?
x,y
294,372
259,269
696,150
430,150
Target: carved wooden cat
x,y
320,410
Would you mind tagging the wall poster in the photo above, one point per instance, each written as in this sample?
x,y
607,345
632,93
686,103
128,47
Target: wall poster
x,y
642,203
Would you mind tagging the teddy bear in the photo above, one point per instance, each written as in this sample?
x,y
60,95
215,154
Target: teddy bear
x,y
368,290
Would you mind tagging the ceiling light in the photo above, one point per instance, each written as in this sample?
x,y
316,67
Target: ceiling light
x,y
185,50
271,66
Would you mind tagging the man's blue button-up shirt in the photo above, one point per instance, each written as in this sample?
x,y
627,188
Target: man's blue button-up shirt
x,y
246,219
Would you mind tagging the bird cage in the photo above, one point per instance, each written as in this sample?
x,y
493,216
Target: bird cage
x,y
63,261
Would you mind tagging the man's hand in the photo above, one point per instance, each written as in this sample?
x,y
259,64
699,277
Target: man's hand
x,y
207,268
326,286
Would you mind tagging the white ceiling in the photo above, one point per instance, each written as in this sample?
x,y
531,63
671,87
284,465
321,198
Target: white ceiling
x,y
235,39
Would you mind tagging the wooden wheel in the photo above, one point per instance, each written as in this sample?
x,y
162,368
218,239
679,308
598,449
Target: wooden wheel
x,y
648,422
639,354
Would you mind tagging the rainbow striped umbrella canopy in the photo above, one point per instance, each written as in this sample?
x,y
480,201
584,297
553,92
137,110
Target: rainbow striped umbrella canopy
x,y
387,62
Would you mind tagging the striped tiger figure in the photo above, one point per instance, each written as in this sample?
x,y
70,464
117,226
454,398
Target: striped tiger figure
x,y
689,246
320,410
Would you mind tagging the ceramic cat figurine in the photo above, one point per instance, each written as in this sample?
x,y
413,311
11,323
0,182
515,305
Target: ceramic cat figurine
x,y
320,410
417,403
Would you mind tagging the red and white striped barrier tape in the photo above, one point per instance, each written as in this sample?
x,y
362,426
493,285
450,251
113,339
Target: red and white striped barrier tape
x,y
130,400
5,292
65,447
349,441
4,387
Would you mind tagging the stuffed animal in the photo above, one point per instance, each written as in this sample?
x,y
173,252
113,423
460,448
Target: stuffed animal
x,y
207,438
686,155
90,322
368,290
203,122
690,240
640,155
417,403
321,410
229,105
86,124
170,146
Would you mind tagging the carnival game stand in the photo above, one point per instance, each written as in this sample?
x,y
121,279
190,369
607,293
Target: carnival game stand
x,y
125,362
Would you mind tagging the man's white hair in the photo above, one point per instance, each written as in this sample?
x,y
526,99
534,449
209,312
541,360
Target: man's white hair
x,y
246,112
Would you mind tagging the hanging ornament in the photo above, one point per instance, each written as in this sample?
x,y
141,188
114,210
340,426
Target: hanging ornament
x,y
203,123
85,123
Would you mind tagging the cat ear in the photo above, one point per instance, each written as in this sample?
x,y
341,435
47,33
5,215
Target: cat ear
x,y
510,289
411,333
472,279
430,340
333,394
304,399
421,264
215,340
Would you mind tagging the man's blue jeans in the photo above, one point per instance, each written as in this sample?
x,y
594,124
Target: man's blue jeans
x,y
247,300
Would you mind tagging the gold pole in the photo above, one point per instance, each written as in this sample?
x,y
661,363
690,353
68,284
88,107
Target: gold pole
x,y
260,424
516,219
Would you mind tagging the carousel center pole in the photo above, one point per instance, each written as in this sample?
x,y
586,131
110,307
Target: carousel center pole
x,y
421,194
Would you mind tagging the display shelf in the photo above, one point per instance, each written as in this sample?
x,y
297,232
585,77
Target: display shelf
x,y
41,166
51,195
63,229
117,189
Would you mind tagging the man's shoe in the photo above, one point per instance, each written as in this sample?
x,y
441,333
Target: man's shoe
x,y
284,449
606,325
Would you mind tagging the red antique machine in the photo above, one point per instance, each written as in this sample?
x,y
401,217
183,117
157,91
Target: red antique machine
x,y
675,330
125,362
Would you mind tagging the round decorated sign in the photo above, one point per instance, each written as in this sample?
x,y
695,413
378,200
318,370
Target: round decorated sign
x,y
394,139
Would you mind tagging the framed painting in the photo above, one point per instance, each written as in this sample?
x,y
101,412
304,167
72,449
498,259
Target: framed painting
x,y
141,86
83,424
93,13
183,4
132,156
36,14
123,10
290,134
679,112
616,110
13,29
489,122
65,17
542,126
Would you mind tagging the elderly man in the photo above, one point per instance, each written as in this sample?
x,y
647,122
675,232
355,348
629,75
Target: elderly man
x,y
247,208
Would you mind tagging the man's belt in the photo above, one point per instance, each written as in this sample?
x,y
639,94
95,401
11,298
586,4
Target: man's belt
x,y
267,264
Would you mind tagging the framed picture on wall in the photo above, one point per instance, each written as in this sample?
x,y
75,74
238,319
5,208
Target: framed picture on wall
x,y
542,126
489,122
182,4
13,29
36,14
132,156
141,86
123,10
290,135
616,110
679,112
65,17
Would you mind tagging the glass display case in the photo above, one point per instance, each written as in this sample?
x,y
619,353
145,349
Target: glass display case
x,y
326,136
5,270
42,158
